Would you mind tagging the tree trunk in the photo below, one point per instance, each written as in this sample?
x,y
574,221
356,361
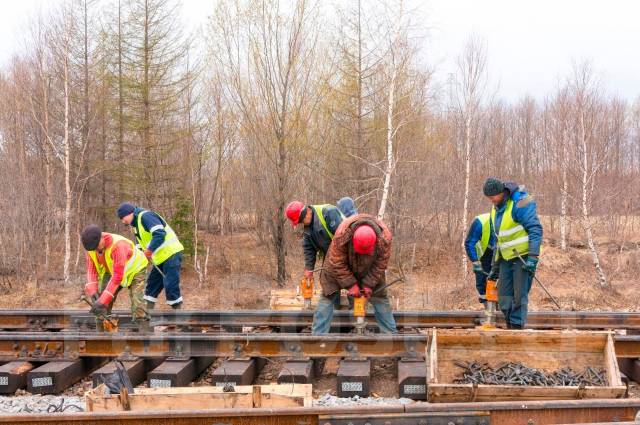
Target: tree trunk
x,y
585,205
467,172
67,171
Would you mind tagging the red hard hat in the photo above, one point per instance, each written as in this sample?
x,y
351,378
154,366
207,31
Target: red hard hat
x,y
364,240
293,212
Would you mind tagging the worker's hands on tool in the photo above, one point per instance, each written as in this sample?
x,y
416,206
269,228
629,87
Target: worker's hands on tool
x,y
94,298
308,274
477,267
148,253
531,264
98,309
367,292
354,291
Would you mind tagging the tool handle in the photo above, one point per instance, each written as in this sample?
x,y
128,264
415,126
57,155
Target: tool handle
x,y
383,287
515,251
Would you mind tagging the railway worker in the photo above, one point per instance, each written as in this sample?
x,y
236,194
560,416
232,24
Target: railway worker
x,y
320,224
161,246
356,261
518,231
479,245
347,207
113,263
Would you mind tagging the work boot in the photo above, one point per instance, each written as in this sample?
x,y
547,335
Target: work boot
x,y
177,306
514,326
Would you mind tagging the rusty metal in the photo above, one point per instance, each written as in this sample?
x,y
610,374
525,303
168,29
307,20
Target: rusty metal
x,y
498,413
57,320
71,345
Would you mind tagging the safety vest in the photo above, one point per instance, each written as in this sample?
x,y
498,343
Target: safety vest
x,y
136,263
511,235
318,211
170,246
483,243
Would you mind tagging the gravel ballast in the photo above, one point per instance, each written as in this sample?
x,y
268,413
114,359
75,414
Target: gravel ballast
x,y
41,404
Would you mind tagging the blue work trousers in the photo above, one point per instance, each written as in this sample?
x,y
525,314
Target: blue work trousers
x,y
170,282
514,284
324,313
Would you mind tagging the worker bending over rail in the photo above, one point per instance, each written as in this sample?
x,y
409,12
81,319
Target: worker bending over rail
x,y
162,247
357,260
519,234
113,263
479,246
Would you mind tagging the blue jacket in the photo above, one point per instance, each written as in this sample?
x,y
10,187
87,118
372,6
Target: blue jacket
x,y
315,239
474,235
526,215
347,207
150,222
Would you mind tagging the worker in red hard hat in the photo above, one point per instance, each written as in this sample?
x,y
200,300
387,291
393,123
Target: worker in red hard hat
x,y
357,260
320,223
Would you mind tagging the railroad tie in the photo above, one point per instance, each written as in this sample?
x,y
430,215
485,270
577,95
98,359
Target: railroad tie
x,y
412,379
234,372
296,372
13,376
55,377
178,373
354,378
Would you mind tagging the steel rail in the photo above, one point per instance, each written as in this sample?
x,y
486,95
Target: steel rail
x,y
494,413
58,320
43,345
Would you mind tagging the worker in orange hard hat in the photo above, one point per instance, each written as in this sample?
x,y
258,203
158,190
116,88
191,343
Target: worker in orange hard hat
x,y
357,260
320,223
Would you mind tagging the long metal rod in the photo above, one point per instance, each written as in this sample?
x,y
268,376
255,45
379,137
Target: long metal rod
x,y
500,413
57,320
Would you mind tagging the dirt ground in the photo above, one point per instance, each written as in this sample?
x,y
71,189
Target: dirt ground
x,y
241,269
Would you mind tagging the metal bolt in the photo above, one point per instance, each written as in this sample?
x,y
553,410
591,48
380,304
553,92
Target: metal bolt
x,y
530,422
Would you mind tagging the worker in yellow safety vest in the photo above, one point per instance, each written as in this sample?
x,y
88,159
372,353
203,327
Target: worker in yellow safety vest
x,y
479,245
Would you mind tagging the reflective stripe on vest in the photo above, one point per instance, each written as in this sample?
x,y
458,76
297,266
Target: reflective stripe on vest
x,y
483,243
511,235
318,211
135,264
170,246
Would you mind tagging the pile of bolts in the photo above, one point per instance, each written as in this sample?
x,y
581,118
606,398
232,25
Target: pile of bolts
x,y
518,374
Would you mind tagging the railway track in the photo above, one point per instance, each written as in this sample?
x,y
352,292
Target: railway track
x,y
56,320
47,351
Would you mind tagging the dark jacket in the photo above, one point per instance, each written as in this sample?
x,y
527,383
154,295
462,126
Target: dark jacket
x,y
524,213
474,235
343,268
315,238
151,222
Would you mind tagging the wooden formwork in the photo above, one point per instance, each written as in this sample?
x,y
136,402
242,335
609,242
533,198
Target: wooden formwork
x,y
546,350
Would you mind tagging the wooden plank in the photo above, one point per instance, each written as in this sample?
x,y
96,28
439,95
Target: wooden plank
x,y
611,363
433,358
198,398
438,393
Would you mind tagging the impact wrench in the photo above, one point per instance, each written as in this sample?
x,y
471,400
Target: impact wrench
x,y
100,316
360,306
515,251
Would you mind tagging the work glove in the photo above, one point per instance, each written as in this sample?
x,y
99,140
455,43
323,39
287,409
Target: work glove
x,y
531,264
98,309
477,267
354,291
495,272
148,253
94,298
367,292
308,274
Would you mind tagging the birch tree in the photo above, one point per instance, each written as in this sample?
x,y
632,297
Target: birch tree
x,y
470,92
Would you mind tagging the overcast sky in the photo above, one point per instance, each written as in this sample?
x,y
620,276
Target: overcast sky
x,y
531,44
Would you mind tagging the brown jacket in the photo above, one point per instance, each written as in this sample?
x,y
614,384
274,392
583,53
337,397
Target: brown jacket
x,y
343,268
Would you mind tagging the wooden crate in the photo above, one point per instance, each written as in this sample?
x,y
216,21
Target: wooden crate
x,y
191,398
547,350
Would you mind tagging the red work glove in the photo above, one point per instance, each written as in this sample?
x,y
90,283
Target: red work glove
x,y
148,253
367,291
354,291
308,274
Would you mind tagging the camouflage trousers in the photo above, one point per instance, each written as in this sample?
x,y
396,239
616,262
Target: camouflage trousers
x,y
136,292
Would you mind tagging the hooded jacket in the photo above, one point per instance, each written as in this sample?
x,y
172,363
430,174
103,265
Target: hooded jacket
x,y
315,238
343,268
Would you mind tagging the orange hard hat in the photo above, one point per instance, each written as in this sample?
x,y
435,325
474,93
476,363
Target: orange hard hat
x,y
293,211
364,240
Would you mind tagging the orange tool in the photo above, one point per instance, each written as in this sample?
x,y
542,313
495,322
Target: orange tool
x,y
359,312
490,309
306,289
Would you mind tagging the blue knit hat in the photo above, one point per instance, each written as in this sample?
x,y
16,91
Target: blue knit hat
x,y
124,209
492,187
347,207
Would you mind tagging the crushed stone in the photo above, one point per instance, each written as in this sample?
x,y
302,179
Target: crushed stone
x,y
40,404
328,400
